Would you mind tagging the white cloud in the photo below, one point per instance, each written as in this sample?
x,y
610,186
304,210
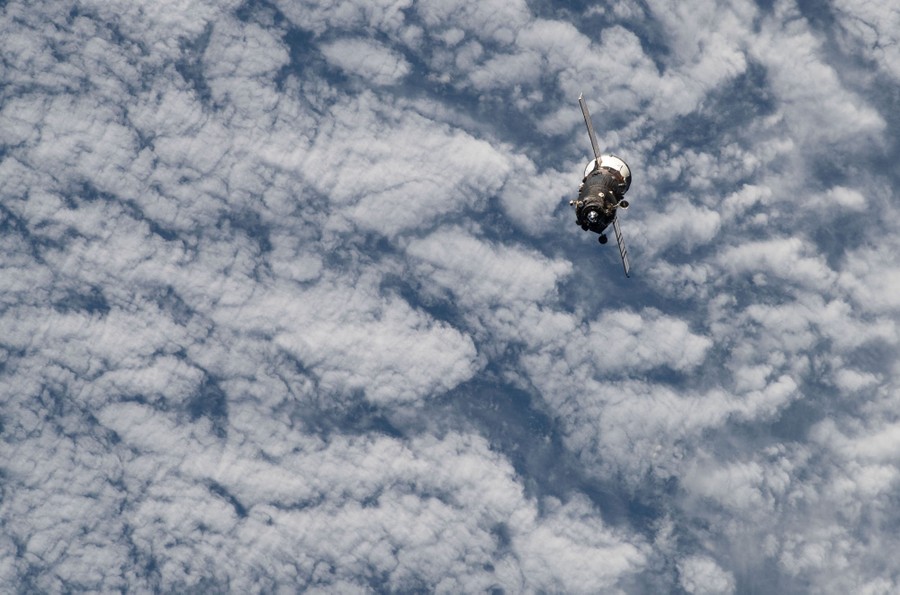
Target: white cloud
x,y
483,274
321,16
819,110
872,277
266,327
445,512
700,574
353,340
840,200
493,20
368,59
572,550
682,225
243,51
529,197
869,28
642,341
787,259
390,174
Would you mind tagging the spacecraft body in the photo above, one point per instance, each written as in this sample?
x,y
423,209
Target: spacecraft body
x,y
602,191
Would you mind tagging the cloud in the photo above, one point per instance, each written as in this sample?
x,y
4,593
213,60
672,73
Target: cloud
x,y
572,550
872,278
443,512
839,199
493,20
318,16
782,258
818,108
484,274
290,298
700,574
867,28
426,172
367,59
383,348
682,225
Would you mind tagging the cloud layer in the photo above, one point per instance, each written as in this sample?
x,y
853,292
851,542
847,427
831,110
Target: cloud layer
x,y
291,297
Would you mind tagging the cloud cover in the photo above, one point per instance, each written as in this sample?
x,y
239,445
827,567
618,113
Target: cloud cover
x,y
291,298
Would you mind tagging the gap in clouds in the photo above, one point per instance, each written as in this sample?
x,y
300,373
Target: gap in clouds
x,y
519,425
437,304
818,13
598,282
359,417
492,115
724,114
210,402
190,66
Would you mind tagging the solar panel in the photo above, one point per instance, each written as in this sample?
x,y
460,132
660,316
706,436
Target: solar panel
x,y
590,125
623,251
